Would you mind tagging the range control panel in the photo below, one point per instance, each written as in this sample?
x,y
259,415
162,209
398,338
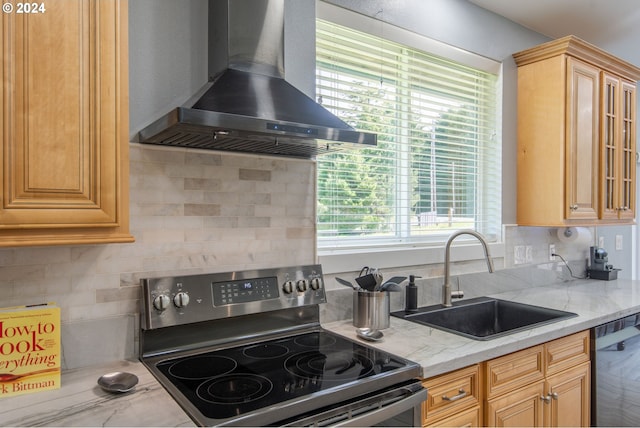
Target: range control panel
x,y
176,300
245,290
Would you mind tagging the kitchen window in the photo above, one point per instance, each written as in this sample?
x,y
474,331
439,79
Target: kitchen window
x,y
437,166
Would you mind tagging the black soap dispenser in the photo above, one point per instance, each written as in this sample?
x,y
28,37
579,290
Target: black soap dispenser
x,y
411,295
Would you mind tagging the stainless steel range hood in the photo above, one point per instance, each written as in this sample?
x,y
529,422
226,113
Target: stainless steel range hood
x,y
248,106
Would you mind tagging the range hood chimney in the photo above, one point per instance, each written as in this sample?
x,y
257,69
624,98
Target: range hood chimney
x,y
248,106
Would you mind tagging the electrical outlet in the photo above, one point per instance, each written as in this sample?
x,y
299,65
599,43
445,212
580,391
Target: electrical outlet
x,y
552,251
618,242
601,242
519,254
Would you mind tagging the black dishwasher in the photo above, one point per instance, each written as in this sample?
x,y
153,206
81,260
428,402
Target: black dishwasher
x,y
616,373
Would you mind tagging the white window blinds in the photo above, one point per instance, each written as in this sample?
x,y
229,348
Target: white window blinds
x,y
437,165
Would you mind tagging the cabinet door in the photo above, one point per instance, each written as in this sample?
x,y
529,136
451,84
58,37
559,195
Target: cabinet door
x,y
617,167
520,408
582,128
568,399
609,166
64,162
627,152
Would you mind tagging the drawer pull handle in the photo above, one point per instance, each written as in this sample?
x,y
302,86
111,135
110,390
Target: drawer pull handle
x,y
461,394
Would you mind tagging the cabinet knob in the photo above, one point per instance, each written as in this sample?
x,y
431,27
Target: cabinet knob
x,y
573,207
545,398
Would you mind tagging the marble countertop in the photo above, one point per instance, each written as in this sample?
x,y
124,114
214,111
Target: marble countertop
x,y
595,302
81,402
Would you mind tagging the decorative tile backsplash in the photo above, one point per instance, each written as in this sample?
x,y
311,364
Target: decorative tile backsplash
x,y
192,212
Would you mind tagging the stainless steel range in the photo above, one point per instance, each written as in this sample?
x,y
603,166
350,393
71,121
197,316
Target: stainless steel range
x,y
247,349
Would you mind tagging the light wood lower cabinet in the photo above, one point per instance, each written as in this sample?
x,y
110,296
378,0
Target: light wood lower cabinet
x,y
454,399
546,385
560,400
519,408
568,398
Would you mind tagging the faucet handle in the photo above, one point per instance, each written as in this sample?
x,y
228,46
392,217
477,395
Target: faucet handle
x,y
457,294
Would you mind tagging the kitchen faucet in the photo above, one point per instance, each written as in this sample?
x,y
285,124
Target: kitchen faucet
x,y
447,294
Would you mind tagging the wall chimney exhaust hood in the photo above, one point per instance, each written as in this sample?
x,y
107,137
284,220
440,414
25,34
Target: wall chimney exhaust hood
x,y
248,106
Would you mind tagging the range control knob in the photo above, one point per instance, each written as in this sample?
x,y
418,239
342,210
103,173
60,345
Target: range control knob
x,y
181,299
161,302
301,285
287,287
315,283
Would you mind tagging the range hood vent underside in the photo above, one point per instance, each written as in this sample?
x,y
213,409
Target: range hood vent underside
x,y
206,137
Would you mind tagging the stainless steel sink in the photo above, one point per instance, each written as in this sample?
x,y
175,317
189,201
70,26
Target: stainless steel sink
x,y
484,318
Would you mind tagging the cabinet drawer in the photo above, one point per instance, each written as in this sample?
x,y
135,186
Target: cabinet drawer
x,y
514,370
566,352
466,418
450,393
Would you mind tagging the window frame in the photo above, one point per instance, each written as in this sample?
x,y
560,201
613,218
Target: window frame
x,y
389,255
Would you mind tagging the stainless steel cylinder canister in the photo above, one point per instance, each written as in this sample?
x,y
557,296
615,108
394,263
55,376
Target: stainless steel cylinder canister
x,y
371,309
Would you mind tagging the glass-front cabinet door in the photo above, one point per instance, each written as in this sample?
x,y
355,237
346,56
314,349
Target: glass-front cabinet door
x,y
617,168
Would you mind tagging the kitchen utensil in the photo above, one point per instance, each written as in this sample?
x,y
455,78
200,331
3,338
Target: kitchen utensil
x,y
118,381
9,377
389,284
346,283
367,282
367,279
369,334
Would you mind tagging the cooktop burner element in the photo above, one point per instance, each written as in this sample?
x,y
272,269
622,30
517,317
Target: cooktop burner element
x,y
266,351
235,388
202,367
247,348
335,366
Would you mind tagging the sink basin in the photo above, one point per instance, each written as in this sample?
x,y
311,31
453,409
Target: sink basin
x,y
484,318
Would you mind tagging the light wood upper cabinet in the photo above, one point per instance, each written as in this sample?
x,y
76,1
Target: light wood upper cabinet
x,y
576,135
64,159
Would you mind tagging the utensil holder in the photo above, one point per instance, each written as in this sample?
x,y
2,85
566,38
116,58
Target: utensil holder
x,y
371,309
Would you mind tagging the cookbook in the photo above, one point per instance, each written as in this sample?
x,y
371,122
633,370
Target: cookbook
x,y
29,349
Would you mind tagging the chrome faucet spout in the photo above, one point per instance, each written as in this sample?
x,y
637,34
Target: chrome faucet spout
x,y
447,295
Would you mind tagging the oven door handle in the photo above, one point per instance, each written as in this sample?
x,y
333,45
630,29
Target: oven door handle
x,y
413,400
372,410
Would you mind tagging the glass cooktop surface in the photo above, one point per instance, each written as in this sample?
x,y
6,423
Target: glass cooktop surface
x,y
230,382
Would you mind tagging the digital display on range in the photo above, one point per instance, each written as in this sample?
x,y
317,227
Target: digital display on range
x,y
244,290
